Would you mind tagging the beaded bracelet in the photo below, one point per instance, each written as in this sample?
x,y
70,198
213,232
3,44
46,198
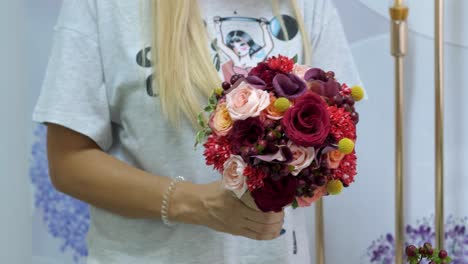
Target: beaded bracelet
x,y
165,201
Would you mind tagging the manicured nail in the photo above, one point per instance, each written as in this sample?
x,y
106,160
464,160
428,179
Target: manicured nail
x,y
282,231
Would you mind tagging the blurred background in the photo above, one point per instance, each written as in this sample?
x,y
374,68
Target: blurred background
x,y
39,225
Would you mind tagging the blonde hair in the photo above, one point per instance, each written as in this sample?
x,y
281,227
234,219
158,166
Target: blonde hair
x,y
184,72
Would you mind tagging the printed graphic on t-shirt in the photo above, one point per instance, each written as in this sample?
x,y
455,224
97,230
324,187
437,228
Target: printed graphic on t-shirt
x,y
239,45
237,51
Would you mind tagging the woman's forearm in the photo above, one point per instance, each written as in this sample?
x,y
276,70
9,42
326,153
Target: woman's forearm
x,y
80,169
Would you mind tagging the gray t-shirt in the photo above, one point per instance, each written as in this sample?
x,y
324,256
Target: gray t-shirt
x,y
98,84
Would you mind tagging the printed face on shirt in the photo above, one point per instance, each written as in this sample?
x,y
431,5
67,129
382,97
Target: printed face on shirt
x,y
240,47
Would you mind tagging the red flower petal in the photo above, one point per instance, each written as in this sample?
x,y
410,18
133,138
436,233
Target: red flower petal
x,y
217,151
347,169
341,124
281,63
254,178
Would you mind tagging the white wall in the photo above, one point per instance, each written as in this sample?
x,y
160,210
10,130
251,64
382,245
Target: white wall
x,y
15,220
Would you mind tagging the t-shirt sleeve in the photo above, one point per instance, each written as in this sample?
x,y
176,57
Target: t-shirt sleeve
x,y
330,48
74,93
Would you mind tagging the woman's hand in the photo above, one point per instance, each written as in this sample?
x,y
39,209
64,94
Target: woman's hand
x,y
217,208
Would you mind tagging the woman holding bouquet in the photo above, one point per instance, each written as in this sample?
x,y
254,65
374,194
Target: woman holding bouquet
x,y
120,98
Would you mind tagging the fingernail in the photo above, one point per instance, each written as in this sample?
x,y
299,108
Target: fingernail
x,y
282,231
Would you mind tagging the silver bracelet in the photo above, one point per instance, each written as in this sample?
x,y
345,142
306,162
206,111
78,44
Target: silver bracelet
x,y
166,198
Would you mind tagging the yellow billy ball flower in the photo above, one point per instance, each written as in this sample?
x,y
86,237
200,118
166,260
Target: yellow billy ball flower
x,y
357,93
334,187
282,104
346,146
218,91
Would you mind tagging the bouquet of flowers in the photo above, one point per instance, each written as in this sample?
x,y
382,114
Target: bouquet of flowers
x,y
283,135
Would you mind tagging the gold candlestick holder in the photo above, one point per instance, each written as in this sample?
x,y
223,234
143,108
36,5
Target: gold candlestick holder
x,y
399,48
439,122
319,233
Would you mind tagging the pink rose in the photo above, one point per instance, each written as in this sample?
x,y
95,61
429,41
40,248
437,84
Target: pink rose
x,y
300,70
220,120
334,158
307,201
245,101
233,176
302,157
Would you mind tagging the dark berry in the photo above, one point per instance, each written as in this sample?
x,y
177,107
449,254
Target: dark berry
x,y
262,143
244,151
355,117
429,251
226,86
299,192
282,142
349,100
235,78
271,147
269,124
253,150
411,251
326,171
330,74
443,254
320,180
348,108
422,251
302,183
337,100
304,173
284,171
279,129
271,136
311,177
324,163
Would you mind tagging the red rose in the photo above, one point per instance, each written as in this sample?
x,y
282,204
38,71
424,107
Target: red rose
x,y
307,123
275,195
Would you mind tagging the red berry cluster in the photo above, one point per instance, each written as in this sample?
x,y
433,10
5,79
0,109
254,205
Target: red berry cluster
x,y
347,103
434,256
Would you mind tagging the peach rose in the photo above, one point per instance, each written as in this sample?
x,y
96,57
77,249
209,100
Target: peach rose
x,y
245,101
302,157
233,175
271,111
334,158
220,120
307,201
300,70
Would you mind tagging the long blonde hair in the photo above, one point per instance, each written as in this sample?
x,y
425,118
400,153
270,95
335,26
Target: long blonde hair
x,y
184,72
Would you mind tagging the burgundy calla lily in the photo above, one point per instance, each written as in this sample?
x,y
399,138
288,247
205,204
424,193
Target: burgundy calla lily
x,y
289,86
